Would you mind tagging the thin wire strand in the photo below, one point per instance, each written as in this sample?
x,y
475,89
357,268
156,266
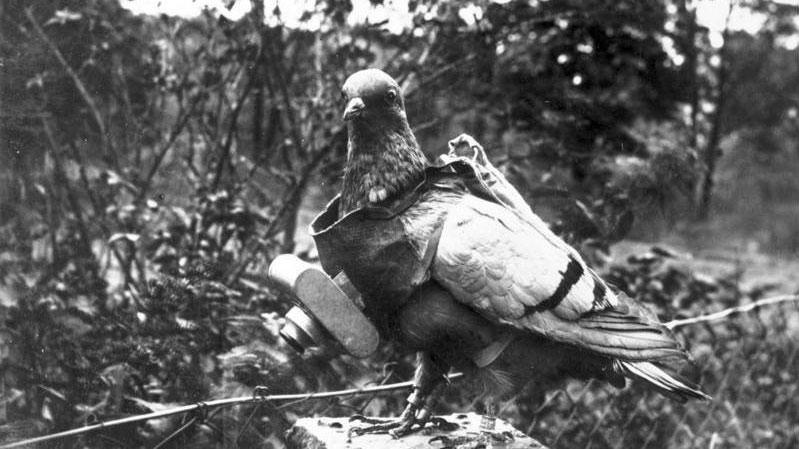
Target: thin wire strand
x,y
227,402
732,311
674,324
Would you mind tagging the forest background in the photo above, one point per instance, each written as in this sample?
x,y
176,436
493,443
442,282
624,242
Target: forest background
x,y
152,166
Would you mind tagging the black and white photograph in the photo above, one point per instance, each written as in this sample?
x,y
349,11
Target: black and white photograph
x,y
399,224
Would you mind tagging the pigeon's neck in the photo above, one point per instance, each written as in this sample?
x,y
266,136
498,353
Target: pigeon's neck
x,y
382,162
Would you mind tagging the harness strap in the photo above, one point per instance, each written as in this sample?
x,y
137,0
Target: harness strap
x,y
432,247
487,355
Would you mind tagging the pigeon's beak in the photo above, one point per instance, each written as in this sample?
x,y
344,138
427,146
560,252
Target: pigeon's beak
x,y
354,108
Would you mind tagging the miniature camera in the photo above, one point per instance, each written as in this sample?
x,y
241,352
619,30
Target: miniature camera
x,y
327,311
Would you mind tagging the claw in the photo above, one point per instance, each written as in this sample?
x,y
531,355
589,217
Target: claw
x,y
366,420
443,424
375,425
458,442
481,441
399,427
447,441
404,428
503,437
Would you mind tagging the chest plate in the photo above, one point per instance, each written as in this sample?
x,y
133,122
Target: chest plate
x,y
386,251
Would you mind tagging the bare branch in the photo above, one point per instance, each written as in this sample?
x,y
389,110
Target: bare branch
x,y
232,127
173,135
61,178
87,98
282,85
712,151
294,194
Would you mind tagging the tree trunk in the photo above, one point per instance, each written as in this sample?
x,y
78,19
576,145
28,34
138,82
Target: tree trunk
x,y
691,63
712,151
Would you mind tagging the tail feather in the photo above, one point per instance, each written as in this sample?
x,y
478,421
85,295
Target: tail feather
x,y
669,385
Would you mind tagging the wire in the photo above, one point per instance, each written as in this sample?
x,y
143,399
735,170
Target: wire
x,y
257,397
731,311
213,404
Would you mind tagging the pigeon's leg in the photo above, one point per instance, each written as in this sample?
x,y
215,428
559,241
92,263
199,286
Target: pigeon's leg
x,y
427,378
489,420
488,425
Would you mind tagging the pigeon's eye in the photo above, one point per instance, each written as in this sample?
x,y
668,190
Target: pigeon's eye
x,y
391,96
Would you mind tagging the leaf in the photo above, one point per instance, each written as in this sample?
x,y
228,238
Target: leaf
x,y
47,414
42,250
113,178
35,81
705,281
147,406
133,238
54,393
182,216
8,297
580,219
77,326
62,16
664,251
643,259
185,324
83,304
238,355
622,226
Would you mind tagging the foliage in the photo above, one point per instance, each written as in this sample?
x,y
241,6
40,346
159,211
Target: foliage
x,y
156,165
748,364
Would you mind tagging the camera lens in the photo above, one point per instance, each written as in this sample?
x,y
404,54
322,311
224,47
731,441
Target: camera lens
x,y
301,331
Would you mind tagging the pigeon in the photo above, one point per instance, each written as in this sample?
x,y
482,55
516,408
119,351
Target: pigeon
x,y
504,298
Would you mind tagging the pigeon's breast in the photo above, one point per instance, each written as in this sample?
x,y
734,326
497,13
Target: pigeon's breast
x,y
385,251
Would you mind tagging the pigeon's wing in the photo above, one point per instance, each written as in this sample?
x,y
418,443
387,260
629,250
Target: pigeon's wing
x,y
514,273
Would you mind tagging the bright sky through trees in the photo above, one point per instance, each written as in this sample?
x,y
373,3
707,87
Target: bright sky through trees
x,y
395,16
712,13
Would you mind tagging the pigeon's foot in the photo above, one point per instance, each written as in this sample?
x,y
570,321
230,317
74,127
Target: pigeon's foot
x,y
404,425
401,425
482,440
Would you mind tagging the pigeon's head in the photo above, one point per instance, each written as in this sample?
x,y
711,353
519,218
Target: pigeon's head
x,y
372,97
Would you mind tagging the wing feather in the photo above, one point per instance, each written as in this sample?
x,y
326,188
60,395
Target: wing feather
x,y
496,262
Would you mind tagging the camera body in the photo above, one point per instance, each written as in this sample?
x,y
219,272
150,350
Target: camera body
x,y
328,311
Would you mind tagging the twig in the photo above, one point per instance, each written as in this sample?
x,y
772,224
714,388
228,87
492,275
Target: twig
x,y
173,135
573,413
129,120
61,177
87,98
280,78
731,311
228,402
288,206
231,132
174,434
426,125
84,179
711,150
98,212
